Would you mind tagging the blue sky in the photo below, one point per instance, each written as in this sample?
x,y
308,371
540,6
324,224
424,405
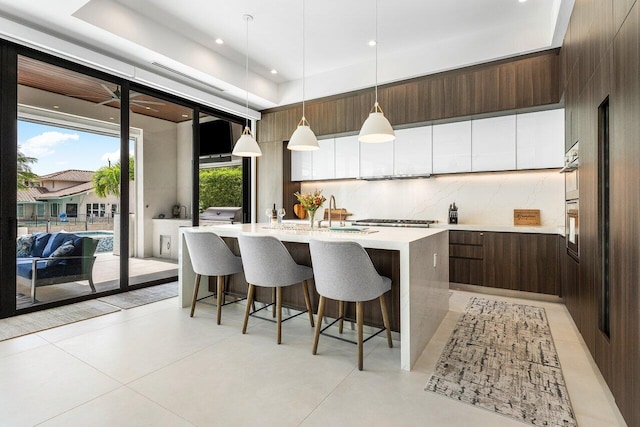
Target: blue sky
x,y
58,148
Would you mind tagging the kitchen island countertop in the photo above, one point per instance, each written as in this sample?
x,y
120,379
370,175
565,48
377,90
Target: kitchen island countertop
x,y
424,272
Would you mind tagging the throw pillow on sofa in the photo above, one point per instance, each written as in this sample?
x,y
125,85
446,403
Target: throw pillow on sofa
x,y
38,246
24,246
64,250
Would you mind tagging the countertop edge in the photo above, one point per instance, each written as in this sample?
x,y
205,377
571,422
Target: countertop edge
x,y
503,228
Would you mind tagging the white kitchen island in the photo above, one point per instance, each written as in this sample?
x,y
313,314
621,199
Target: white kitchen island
x,y
424,272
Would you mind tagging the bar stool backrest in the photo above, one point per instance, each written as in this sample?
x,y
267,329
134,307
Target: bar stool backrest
x,y
343,271
210,255
267,262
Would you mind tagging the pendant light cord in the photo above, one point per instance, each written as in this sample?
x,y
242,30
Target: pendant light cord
x,y
303,94
246,75
376,52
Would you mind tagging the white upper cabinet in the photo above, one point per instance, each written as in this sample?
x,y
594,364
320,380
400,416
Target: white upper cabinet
x,y
323,160
347,152
376,159
413,151
452,147
301,165
493,144
540,139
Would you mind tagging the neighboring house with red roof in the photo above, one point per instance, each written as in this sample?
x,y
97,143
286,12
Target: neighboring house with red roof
x,y
68,192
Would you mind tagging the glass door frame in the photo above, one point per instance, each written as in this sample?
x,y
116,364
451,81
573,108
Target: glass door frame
x,y
9,53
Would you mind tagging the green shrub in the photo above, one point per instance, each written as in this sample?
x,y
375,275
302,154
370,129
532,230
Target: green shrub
x,y
220,187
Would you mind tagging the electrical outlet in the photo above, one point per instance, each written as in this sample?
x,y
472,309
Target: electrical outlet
x,y
435,260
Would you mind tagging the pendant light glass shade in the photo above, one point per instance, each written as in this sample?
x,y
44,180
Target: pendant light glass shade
x,y
303,138
246,145
376,128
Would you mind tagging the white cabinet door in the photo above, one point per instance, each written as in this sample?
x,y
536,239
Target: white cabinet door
x,y
376,159
452,147
347,152
412,154
540,139
493,144
323,160
301,162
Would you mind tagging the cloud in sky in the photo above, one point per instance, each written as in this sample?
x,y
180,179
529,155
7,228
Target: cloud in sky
x,y
43,145
113,157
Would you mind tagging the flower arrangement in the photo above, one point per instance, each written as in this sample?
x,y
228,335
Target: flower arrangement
x,y
311,202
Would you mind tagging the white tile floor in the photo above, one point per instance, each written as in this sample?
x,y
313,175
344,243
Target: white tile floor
x,y
155,366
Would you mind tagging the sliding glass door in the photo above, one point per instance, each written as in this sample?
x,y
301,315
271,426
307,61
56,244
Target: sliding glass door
x,y
97,176
67,147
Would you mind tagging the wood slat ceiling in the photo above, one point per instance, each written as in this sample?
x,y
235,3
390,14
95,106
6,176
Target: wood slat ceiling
x,y
50,78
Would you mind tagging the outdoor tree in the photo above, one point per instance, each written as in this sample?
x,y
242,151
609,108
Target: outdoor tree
x,y
106,180
25,175
220,187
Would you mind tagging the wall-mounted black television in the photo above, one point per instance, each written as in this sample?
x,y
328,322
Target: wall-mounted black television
x,y
216,138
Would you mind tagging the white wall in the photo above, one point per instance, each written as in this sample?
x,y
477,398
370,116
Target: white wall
x,y
185,164
156,165
482,198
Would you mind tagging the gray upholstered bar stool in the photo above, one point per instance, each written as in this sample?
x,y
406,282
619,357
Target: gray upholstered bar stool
x,y
343,271
268,263
210,256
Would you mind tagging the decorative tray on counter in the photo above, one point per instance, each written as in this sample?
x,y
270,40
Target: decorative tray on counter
x,y
306,227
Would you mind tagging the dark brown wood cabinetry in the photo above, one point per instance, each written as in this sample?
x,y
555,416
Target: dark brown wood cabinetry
x,y
600,61
466,257
516,261
523,82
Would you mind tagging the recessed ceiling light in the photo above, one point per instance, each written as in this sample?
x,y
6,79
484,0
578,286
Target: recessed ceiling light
x,y
274,71
111,118
148,108
185,115
372,43
522,1
56,107
219,41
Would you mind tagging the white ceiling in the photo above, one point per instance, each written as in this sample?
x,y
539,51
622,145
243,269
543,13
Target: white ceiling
x,y
416,37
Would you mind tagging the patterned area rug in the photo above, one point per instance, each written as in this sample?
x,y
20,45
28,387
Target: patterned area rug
x,y
46,319
142,296
501,357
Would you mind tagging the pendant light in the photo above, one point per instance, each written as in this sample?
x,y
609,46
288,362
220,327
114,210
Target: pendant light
x,y
303,138
376,128
247,146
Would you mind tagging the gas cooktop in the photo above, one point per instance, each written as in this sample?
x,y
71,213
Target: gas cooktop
x,y
419,223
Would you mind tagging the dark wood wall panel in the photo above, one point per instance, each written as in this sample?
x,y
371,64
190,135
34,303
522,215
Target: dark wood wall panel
x,y
600,57
518,83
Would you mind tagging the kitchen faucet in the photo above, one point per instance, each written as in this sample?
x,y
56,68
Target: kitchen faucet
x,y
333,199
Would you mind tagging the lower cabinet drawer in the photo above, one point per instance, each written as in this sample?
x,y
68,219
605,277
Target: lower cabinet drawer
x,y
465,270
466,251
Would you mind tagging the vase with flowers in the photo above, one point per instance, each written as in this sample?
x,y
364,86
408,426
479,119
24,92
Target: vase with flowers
x,y
311,202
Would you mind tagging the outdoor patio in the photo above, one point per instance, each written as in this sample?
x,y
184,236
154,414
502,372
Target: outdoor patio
x,y
105,277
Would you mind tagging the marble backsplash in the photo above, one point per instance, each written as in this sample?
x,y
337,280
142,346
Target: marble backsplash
x,y
482,198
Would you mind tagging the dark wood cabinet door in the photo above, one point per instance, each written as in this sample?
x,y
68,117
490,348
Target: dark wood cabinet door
x,y
501,260
539,263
